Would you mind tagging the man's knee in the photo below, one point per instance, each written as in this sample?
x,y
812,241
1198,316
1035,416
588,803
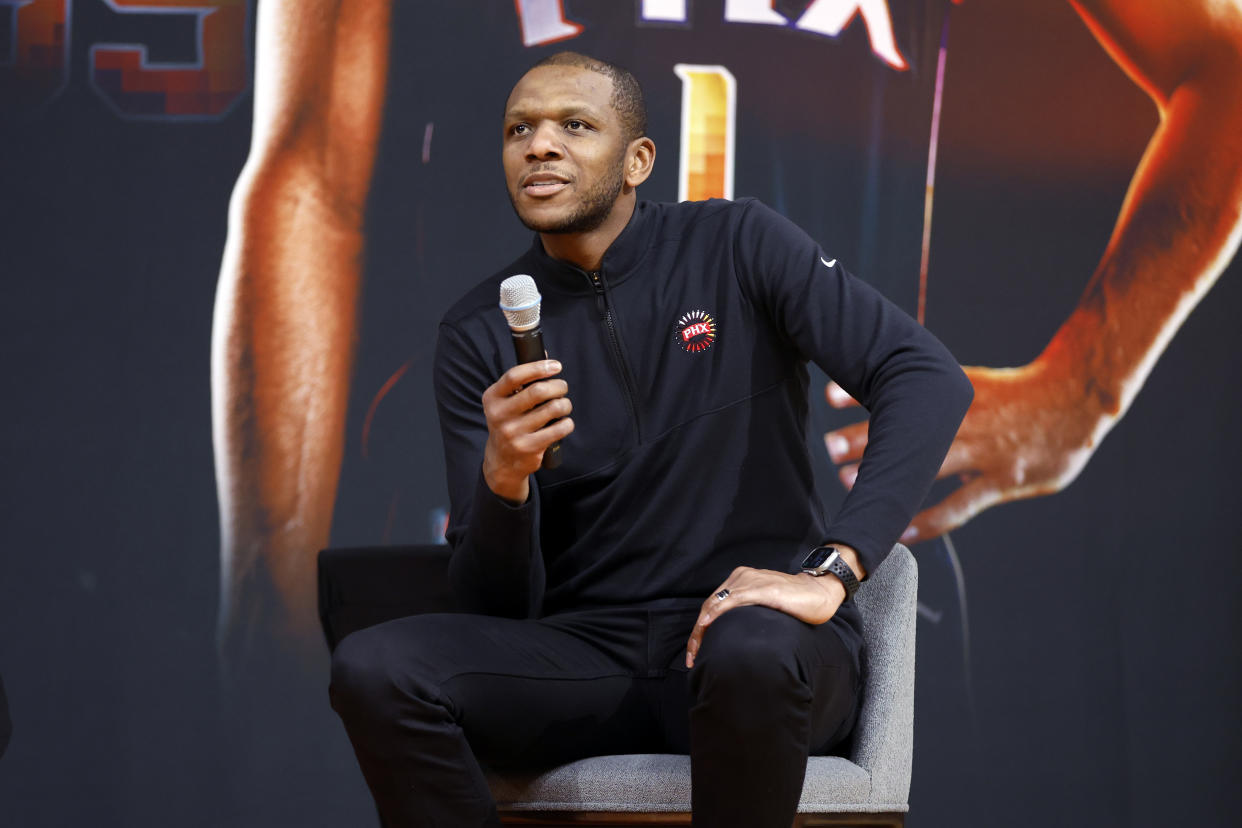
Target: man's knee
x,y
750,653
358,673
370,677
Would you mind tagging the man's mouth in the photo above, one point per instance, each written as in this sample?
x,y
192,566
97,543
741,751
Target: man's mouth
x,y
543,184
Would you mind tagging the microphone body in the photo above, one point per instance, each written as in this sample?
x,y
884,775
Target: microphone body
x,y
520,302
528,345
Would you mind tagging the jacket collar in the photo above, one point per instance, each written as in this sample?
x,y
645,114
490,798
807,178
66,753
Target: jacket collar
x,y
619,262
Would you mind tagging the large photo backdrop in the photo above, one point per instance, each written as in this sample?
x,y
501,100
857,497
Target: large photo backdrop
x,y
230,229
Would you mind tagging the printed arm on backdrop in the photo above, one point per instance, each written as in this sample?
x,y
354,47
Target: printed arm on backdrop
x,y
283,329
1032,429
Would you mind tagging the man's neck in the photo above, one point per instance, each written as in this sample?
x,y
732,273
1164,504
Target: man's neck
x,y
586,250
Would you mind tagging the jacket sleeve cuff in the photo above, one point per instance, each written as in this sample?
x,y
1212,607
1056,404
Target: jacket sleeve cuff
x,y
497,522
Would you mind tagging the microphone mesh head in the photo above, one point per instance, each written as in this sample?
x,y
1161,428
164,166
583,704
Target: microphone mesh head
x,y
519,299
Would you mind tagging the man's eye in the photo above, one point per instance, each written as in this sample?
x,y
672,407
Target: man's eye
x,y
575,125
518,129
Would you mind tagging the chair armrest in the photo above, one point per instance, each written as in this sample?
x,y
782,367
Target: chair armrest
x,y
883,737
363,586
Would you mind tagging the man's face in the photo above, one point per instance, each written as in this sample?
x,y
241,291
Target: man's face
x,y
564,151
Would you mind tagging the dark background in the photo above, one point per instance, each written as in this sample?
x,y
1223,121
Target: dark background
x,y
1102,620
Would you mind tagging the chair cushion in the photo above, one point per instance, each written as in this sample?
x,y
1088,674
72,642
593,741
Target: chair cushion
x,y
648,782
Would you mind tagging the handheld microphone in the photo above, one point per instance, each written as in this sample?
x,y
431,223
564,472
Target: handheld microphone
x,y
519,301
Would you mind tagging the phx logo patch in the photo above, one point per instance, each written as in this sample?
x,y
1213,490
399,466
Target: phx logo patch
x,y
695,331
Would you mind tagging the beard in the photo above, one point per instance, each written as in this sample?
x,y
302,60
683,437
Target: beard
x,y
593,208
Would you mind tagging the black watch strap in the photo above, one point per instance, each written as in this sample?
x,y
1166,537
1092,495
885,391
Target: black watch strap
x,y
842,570
825,559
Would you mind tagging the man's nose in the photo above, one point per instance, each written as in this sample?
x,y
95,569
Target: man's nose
x,y
545,143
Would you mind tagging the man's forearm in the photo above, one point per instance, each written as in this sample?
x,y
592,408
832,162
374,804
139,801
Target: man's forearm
x,y
497,566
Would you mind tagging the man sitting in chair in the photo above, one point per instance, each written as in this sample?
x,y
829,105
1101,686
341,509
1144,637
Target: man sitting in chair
x,y
681,333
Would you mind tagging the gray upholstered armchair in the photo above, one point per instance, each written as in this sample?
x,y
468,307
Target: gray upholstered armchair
x,y
869,786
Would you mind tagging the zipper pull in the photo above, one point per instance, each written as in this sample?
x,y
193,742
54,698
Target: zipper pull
x,y
600,301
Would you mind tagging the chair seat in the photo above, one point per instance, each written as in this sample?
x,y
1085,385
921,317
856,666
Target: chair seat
x,y
653,783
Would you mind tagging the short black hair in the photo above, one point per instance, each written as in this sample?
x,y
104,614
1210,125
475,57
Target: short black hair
x,y
627,95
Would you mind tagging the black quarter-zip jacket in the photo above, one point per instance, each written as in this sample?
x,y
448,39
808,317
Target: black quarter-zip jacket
x,y
686,359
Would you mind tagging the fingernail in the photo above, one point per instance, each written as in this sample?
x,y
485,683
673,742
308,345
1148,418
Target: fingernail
x,y
837,395
849,477
689,661
553,366
838,446
909,535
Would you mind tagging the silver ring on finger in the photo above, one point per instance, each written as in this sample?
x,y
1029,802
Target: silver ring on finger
x,y
723,594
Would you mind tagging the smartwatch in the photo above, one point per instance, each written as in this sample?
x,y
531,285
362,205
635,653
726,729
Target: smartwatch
x,y
825,559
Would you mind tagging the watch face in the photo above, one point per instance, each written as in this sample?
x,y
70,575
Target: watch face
x,y
818,557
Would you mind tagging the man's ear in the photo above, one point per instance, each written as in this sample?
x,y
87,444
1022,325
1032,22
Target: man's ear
x,y
639,161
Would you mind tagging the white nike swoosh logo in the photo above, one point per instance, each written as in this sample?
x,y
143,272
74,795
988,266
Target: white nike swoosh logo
x,y
825,261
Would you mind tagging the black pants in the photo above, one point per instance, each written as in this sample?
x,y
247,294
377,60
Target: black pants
x,y
426,699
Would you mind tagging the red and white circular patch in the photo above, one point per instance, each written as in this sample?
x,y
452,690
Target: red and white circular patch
x,y
695,331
